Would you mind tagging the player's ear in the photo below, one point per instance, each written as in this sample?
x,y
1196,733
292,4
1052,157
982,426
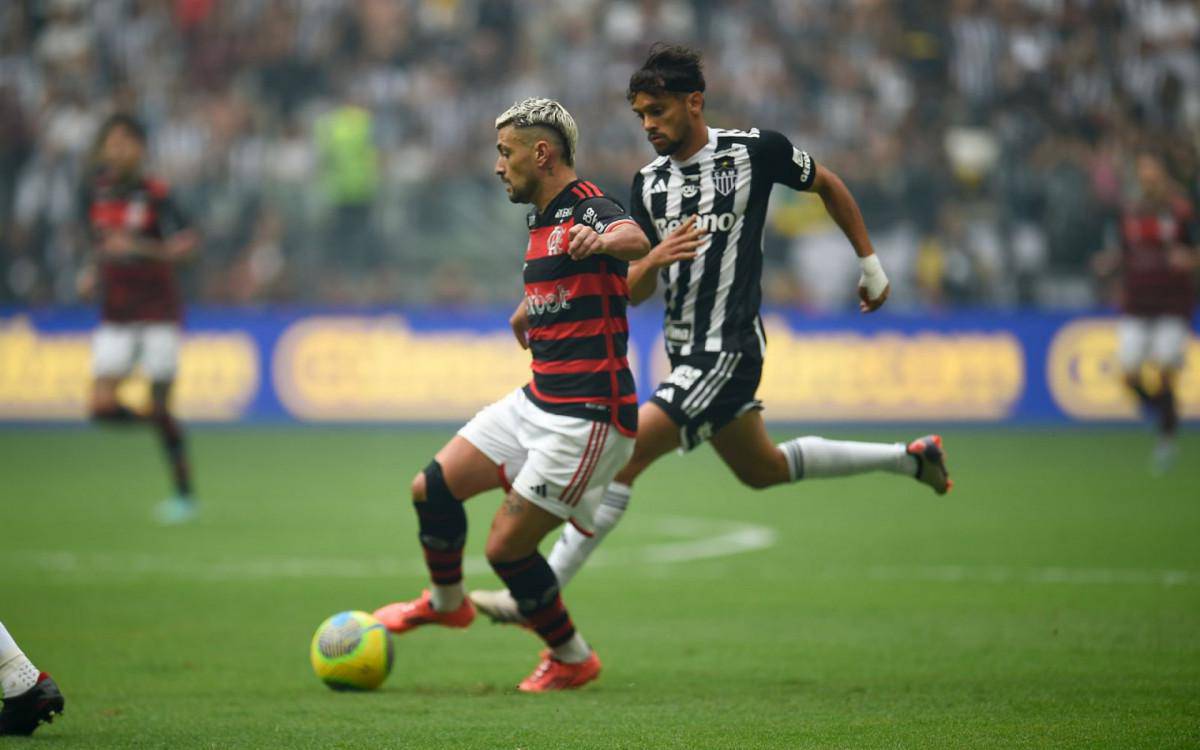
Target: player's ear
x,y
541,153
695,103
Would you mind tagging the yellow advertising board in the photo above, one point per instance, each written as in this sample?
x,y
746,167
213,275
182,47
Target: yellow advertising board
x,y
831,375
1084,376
46,375
356,369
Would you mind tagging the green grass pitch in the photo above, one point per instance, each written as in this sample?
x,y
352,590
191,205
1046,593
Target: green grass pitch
x,y
1052,600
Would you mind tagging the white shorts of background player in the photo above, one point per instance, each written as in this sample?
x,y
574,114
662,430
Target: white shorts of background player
x,y
117,348
1160,340
560,464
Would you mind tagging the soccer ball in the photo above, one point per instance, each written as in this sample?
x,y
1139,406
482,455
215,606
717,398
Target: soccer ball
x,y
351,651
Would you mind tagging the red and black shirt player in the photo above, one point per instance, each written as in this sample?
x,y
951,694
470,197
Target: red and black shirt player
x,y
137,234
1157,268
134,286
578,333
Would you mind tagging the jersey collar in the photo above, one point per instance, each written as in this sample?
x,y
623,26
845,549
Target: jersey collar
x,y
564,199
703,152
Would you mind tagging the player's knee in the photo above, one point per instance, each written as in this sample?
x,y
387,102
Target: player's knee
x,y
502,548
418,487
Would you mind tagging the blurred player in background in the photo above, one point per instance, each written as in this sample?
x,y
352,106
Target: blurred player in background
x,y
704,202
1156,258
30,696
138,235
556,443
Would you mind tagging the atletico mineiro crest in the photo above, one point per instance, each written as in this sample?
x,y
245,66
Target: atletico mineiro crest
x,y
724,175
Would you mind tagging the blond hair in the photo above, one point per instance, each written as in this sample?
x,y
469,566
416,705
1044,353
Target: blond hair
x,y
545,113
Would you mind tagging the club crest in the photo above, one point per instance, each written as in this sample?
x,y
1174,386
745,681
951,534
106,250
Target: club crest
x,y
724,175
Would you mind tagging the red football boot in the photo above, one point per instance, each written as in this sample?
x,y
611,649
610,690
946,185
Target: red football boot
x,y
553,674
402,617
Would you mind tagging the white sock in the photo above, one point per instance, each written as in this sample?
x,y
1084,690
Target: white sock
x,y
446,598
17,673
573,651
573,548
815,457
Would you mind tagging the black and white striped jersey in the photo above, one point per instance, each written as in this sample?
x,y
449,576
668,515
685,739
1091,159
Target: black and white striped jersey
x,y
712,302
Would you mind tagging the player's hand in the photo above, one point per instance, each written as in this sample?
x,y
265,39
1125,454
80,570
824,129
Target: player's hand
x,y
1181,258
1105,263
583,241
869,305
679,245
873,286
85,282
118,243
520,325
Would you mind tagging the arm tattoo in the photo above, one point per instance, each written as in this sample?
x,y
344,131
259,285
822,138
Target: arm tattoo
x,y
514,505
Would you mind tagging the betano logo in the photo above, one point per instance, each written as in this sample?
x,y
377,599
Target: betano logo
x,y
890,376
1084,375
46,375
708,222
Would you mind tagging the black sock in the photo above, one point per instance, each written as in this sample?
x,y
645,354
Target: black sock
x,y
171,436
442,524
533,585
1168,412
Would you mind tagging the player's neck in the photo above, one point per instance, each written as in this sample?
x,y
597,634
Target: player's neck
x,y
696,141
551,185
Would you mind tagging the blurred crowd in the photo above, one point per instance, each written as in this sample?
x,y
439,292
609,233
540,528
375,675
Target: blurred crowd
x,y
341,151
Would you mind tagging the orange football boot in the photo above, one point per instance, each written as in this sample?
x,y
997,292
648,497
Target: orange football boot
x,y
553,674
402,617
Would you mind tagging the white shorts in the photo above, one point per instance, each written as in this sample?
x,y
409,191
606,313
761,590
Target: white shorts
x,y
1161,341
560,464
119,347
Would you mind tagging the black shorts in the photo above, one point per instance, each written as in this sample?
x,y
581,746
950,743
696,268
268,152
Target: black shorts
x,y
707,391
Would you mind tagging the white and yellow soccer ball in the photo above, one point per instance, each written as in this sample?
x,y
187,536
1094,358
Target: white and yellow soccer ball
x,y
351,651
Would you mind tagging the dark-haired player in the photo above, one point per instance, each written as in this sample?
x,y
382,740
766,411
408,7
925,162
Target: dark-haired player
x,y
704,202
138,235
557,442
30,695
1157,260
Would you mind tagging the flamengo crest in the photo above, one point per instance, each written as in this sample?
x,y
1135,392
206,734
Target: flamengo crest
x,y
554,243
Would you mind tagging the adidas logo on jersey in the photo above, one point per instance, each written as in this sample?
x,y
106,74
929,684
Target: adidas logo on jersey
x,y
666,394
539,490
660,186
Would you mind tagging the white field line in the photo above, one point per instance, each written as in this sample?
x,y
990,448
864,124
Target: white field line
x,y
693,539
699,539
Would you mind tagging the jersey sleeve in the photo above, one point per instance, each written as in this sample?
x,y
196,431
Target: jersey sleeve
x,y
637,209
785,163
601,214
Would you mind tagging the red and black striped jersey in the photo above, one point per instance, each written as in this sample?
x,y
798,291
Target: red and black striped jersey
x,y
1151,285
578,332
135,288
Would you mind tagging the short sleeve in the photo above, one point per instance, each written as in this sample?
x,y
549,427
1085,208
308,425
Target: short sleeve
x,y
785,163
637,209
601,213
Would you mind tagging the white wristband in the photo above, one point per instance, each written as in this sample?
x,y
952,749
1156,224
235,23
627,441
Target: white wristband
x,y
873,279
